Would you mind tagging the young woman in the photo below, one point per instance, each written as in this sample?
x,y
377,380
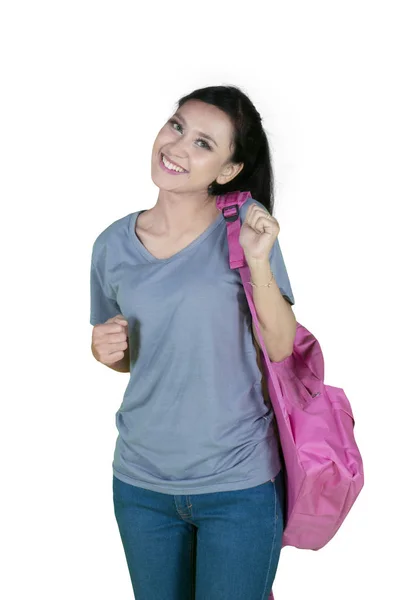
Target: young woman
x,y
198,483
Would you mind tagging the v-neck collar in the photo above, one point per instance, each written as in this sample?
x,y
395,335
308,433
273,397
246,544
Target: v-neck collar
x,y
148,256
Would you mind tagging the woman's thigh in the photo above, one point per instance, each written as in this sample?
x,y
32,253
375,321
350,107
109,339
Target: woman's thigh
x,y
211,546
239,541
159,546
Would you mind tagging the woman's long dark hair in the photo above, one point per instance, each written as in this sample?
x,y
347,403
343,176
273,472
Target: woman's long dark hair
x,y
250,144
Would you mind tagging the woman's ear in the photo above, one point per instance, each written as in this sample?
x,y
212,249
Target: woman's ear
x,y
229,172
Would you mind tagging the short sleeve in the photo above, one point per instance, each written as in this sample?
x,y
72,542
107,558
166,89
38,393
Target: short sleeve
x,y
278,268
102,305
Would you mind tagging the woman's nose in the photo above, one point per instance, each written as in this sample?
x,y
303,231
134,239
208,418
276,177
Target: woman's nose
x,y
179,148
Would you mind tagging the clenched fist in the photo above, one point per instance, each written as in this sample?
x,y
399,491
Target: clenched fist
x,y
109,340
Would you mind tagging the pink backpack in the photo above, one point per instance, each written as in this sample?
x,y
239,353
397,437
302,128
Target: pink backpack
x,y
323,466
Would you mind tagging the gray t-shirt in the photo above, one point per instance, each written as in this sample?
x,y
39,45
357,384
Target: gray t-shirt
x,y
193,418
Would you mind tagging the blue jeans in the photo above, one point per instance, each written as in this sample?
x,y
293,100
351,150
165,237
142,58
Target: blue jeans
x,y
213,546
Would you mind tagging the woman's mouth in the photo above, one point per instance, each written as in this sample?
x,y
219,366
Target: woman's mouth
x,y
169,167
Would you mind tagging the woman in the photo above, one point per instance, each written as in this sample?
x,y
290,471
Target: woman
x,y
198,485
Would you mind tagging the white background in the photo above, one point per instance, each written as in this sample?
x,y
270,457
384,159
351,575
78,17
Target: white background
x,y
85,88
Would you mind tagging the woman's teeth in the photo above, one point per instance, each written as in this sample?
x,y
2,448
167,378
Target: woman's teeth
x,y
171,166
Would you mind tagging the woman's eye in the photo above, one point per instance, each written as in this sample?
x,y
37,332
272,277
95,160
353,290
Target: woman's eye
x,y
207,145
173,123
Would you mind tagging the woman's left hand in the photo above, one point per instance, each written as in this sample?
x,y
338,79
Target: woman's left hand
x,y
258,233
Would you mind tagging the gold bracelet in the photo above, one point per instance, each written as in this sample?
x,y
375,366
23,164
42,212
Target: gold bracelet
x,y
264,284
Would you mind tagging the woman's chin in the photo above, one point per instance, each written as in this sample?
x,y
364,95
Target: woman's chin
x,y
165,183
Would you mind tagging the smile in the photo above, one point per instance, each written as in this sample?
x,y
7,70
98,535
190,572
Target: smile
x,y
171,167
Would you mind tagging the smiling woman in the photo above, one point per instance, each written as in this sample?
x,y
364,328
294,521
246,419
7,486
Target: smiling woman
x,y
197,448
198,139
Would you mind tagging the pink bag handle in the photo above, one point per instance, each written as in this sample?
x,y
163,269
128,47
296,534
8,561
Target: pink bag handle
x,y
229,204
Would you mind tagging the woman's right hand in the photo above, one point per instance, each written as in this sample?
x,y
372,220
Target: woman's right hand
x,y
109,340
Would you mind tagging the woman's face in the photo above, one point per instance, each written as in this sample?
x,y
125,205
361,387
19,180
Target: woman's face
x,y
198,139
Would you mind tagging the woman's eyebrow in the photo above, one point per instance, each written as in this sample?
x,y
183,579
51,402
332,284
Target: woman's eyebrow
x,y
204,135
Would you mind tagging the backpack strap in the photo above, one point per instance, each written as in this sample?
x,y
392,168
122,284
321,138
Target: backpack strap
x,y
229,204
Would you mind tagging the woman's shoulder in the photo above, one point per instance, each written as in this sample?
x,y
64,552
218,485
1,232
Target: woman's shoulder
x,y
111,234
245,206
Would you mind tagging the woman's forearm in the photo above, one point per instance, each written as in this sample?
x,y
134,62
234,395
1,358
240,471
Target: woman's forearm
x,y
275,315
